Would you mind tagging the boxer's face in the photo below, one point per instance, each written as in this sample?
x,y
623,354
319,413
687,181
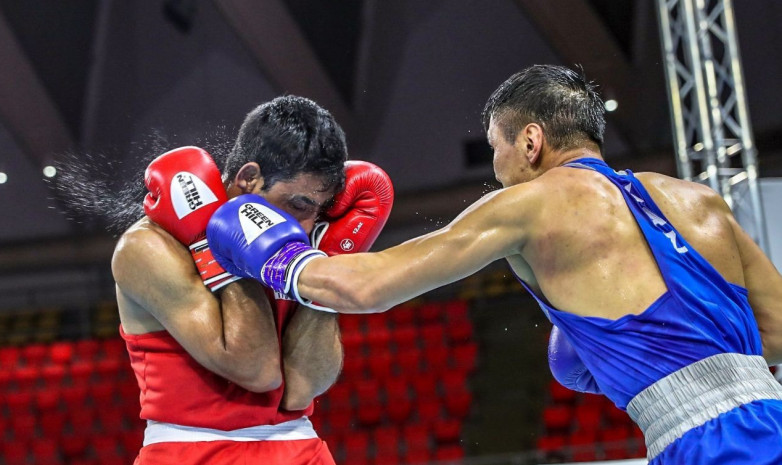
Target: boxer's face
x,y
302,197
515,162
504,155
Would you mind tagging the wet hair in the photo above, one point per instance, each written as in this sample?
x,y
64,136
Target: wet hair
x,y
561,100
105,190
289,136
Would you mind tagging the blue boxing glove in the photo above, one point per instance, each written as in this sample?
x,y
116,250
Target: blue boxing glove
x,y
250,237
567,367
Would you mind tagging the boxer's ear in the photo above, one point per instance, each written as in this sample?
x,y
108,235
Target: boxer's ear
x,y
529,142
249,179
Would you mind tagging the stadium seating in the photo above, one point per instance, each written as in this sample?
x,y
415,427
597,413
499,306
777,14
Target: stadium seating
x,y
407,372
585,427
402,396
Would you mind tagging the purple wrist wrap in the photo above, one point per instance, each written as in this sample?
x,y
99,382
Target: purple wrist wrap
x,y
273,272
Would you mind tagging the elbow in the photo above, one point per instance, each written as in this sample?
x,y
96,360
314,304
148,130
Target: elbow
x,y
263,383
363,298
292,401
368,297
350,292
264,378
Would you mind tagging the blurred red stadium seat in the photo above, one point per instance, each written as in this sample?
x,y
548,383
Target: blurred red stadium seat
x,y
402,315
417,437
52,424
458,403
23,426
451,452
561,394
10,357
588,416
45,452
19,402
356,445
386,440
61,352
74,396
86,349
447,430
47,400
26,377
583,445
404,337
436,358
408,361
432,335
557,418
464,356
114,348
615,442
550,443
430,312
428,409
53,375
14,452
381,366
35,354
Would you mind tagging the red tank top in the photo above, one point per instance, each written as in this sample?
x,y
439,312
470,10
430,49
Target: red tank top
x,y
176,389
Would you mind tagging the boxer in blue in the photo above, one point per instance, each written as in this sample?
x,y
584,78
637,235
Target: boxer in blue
x,y
661,301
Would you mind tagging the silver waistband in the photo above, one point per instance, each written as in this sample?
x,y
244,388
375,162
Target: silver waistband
x,y
158,431
698,393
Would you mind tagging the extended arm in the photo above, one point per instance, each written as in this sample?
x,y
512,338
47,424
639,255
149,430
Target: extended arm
x,y
492,228
235,339
277,252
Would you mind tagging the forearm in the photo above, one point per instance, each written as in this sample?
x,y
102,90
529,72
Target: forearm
x,y
312,356
375,282
251,355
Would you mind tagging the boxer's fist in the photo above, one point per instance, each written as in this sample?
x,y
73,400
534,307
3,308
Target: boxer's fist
x,y
184,189
252,238
567,367
359,211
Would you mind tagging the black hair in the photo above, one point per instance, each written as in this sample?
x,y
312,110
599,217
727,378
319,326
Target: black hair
x,y
561,100
103,190
289,136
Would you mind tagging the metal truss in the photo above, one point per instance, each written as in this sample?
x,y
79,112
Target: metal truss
x,y
711,127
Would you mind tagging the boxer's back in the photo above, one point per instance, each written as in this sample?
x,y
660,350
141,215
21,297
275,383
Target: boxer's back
x,y
589,256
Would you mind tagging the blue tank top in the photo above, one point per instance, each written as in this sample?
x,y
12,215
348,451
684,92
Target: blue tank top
x,y
700,315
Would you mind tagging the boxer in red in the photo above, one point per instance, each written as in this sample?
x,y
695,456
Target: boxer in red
x,y
227,370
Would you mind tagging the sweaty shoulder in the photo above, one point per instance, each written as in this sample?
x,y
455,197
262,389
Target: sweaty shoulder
x,y
154,273
699,201
702,217
145,241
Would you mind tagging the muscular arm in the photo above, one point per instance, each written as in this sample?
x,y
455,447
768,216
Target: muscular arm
x,y
764,284
492,228
235,339
312,356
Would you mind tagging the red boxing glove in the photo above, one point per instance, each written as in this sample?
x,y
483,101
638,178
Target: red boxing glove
x,y
359,212
185,188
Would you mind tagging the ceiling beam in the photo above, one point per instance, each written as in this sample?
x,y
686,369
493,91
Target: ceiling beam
x,y
578,35
26,109
283,52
